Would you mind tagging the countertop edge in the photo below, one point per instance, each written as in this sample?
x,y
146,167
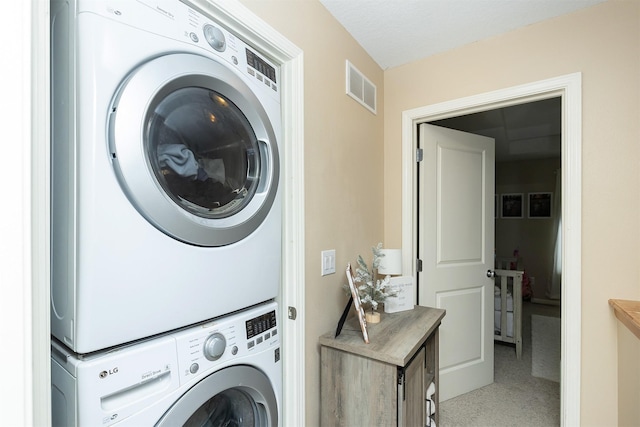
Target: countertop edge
x,y
624,311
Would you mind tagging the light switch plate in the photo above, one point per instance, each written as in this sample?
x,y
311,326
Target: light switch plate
x,y
328,262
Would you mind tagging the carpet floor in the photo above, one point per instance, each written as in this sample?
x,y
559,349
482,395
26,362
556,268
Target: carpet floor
x,y
545,347
516,398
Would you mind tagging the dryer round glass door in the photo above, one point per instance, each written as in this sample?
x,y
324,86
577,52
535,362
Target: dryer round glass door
x,y
194,150
219,400
203,152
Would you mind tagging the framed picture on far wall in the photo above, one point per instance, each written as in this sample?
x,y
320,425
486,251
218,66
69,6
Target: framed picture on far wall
x,y
540,205
511,205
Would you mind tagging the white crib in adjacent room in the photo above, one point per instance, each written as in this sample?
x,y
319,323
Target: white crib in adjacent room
x,y
508,305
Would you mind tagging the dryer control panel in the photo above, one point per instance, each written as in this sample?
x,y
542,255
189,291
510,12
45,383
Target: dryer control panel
x,y
179,21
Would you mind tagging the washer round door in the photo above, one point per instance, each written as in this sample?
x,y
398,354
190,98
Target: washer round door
x,y
194,150
218,400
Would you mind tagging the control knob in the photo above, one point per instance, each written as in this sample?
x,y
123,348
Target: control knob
x,y
215,37
214,346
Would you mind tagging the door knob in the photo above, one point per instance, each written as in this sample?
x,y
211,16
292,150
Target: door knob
x,y
491,273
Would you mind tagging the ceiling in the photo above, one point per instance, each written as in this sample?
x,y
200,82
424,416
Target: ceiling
x,y
396,32
522,132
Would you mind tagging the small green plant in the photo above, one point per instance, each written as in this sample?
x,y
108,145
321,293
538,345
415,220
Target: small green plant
x,y
373,290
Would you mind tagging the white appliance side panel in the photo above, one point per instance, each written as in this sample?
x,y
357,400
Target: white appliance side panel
x,y
62,168
64,407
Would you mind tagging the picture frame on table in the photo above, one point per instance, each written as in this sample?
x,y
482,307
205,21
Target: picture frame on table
x,y
511,205
540,205
357,304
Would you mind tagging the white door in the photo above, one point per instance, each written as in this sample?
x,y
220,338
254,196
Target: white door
x,y
456,245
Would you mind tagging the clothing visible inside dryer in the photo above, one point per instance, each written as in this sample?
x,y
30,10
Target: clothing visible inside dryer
x,y
179,159
182,161
214,169
203,152
207,194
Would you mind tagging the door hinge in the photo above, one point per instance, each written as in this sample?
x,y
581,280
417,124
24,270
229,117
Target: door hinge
x,y
419,265
292,313
419,155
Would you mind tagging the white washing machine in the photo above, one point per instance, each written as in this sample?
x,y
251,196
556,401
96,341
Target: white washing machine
x,y
223,373
165,171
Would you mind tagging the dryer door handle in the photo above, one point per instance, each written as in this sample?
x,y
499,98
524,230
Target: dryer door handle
x,y
266,166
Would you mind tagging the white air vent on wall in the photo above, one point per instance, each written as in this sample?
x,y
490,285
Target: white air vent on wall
x,y
360,88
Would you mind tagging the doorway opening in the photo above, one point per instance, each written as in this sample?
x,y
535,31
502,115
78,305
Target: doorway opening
x,y
528,161
568,89
527,217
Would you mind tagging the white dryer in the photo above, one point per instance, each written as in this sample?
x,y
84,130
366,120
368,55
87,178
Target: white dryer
x,y
165,171
226,372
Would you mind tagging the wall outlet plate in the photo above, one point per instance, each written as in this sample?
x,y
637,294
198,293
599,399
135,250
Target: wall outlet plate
x,y
328,262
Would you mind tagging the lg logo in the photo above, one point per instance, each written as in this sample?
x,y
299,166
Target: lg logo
x,y
105,374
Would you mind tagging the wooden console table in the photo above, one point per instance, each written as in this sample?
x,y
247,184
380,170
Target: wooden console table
x,y
383,383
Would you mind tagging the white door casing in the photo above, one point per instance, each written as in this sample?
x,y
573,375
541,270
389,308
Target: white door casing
x,y
569,87
455,243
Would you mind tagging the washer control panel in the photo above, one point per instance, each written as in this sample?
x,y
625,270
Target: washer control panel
x,y
261,324
226,340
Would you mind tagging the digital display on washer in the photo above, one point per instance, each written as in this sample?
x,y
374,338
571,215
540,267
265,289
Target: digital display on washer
x,y
261,66
261,324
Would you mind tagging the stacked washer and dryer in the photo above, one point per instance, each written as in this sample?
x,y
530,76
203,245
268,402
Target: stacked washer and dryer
x,y
166,219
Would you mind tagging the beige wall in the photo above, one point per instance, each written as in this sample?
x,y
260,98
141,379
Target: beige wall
x,y
344,155
343,165
532,237
603,43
